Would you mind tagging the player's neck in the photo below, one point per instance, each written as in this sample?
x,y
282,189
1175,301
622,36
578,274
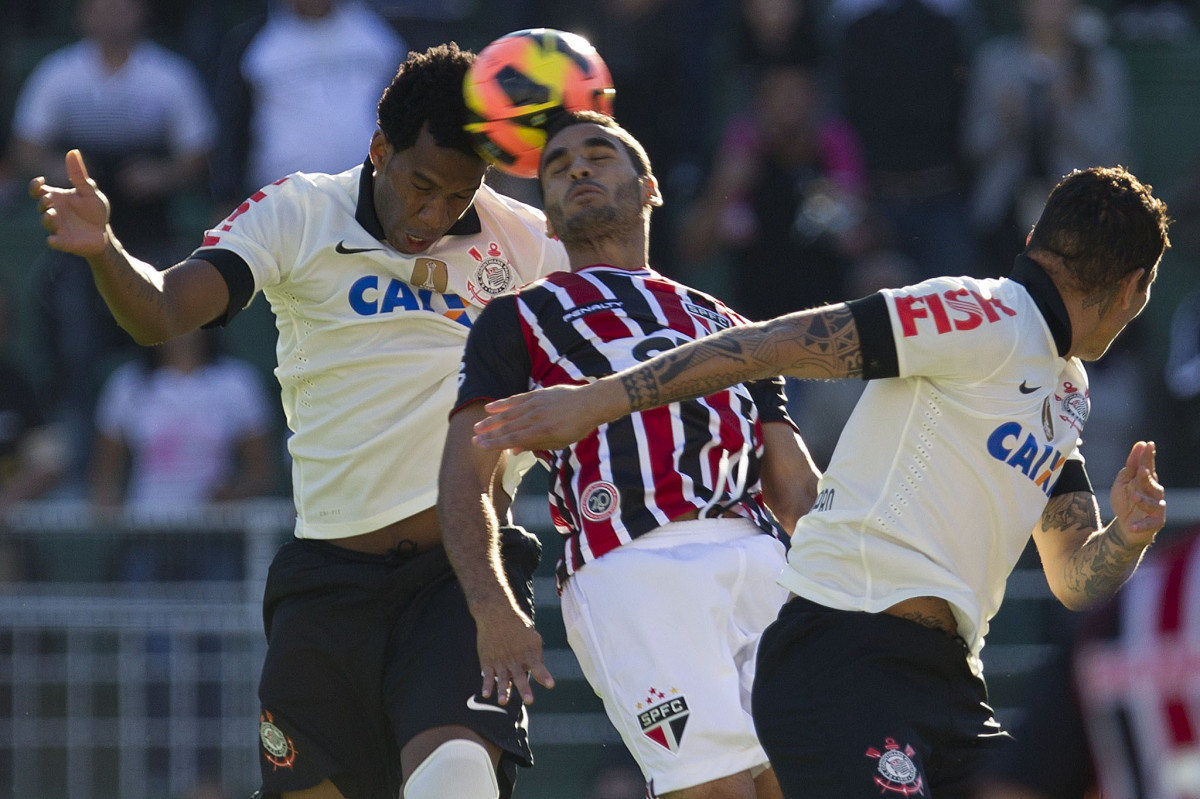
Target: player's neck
x,y
622,255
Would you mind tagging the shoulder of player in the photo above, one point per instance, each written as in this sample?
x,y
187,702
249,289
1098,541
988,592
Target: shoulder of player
x,y
492,204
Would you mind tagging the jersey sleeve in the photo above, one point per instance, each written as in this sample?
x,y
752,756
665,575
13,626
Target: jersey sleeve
x,y
771,398
264,232
951,328
496,362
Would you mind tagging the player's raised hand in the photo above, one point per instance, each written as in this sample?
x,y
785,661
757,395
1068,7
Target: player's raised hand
x,y
549,418
510,653
76,218
1137,498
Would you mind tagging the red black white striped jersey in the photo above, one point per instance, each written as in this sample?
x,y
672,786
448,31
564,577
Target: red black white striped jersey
x,y
1138,682
637,473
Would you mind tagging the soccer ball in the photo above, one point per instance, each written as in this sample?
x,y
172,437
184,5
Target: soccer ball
x,y
519,82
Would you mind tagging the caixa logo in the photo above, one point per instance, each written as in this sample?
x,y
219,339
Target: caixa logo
x,y
1022,450
367,299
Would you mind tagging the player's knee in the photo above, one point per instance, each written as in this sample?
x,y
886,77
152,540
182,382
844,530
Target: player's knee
x,y
458,768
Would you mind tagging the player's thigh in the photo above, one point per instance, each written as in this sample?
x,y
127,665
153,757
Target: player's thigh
x,y
655,636
432,682
854,704
321,714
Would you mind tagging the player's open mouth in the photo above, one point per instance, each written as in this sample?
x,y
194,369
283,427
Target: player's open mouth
x,y
416,243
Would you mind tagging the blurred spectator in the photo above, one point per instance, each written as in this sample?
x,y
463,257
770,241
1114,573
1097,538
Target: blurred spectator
x,y
821,407
1041,102
1182,377
182,426
141,117
785,198
660,55
776,31
178,429
1150,21
1117,710
900,67
1120,409
33,450
299,86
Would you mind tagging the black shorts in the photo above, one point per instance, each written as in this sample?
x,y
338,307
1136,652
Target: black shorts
x,y
366,651
850,705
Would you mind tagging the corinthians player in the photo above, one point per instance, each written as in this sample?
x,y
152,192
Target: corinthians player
x,y
375,277
965,443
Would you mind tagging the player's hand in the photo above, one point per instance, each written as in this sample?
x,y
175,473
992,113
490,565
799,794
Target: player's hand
x,y
1137,498
549,418
510,652
77,218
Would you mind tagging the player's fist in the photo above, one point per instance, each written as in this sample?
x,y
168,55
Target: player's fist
x,y
76,218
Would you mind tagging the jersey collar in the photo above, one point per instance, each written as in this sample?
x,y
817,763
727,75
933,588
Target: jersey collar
x,y
467,225
1046,297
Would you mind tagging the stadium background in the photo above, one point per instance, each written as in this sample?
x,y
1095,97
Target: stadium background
x,y
110,690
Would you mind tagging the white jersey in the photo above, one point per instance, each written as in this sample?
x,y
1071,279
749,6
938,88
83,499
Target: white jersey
x,y
370,339
941,474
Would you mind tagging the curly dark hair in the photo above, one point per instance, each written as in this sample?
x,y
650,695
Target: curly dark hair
x,y
427,89
1103,223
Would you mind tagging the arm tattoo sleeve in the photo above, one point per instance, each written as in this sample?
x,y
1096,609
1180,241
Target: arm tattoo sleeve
x,y
1098,568
817,344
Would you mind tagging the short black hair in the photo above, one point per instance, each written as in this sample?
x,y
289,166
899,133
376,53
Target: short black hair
x,y
566,119
1103,223
428,89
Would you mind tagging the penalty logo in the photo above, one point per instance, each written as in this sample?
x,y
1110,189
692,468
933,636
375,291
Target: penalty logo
x,y
897,772
663,717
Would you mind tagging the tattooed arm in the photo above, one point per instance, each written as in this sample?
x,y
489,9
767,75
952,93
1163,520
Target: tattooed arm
x,y
821,343
1085,563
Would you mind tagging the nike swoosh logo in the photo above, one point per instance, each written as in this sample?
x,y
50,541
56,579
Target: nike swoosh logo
x,y
475,704
344,250
1026,389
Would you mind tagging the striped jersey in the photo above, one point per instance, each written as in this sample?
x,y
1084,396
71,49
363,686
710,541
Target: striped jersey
x,y
628,477
1137,675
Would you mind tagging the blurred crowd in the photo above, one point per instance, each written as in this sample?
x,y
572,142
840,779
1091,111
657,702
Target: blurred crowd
x,y
809,151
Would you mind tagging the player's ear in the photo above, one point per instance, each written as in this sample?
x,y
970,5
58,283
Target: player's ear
x,y
380,148
1130,287
550,234
653,196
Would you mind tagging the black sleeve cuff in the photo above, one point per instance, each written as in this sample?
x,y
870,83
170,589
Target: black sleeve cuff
x,y
238,279
875,339
1074,477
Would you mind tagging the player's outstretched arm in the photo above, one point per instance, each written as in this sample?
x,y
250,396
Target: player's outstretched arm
x,y
821,343
510,648
151,306
1085,563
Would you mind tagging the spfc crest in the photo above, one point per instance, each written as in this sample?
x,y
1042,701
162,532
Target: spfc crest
x,y
663,717
896,770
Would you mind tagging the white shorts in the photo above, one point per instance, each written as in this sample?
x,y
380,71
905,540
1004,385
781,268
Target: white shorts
x,y
666,629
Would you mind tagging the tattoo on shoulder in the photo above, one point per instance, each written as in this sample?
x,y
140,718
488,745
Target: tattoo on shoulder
x,y
1074,512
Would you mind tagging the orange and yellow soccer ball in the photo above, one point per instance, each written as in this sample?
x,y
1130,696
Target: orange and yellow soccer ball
x,y
519,82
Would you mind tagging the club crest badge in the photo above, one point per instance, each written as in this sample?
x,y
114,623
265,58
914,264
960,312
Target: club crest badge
x,y
1073,405
493,276
897,772
663,717
277,747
